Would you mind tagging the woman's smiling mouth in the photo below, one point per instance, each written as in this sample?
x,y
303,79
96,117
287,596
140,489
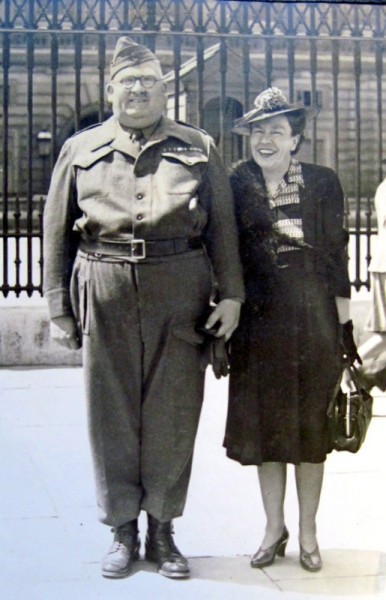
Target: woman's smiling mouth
x,y
266,151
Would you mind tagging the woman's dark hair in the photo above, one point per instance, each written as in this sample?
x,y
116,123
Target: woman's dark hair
x,y
297,121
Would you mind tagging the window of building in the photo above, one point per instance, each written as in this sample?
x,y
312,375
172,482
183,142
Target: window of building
x,y
305,97
232,142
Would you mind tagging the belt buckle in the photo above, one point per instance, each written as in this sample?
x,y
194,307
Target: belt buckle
x,y
138,249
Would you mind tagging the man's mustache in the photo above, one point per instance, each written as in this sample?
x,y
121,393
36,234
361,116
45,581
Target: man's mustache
x,y
141,94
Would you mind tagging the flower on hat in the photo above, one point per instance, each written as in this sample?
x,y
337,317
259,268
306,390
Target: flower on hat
x,y
272,99
267,104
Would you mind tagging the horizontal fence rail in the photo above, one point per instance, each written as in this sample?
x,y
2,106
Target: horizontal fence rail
x,y
216,56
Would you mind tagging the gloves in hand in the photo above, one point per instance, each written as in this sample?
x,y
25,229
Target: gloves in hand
x,y
215,349
218,356
348,344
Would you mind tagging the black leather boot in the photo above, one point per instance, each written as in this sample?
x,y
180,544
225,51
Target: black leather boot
x,y
123,552
160,548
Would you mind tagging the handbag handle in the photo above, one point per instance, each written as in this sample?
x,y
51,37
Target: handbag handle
x,y
355,377
354,388
353,382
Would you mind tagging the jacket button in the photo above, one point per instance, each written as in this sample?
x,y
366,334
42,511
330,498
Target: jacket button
x,y
139,196
139,217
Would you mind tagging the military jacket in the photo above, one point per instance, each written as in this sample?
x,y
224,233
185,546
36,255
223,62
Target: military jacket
x,y
105,187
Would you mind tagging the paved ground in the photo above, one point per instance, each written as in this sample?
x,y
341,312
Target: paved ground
x,y
52,543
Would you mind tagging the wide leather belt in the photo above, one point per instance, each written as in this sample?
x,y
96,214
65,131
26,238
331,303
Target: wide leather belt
x,y
140,249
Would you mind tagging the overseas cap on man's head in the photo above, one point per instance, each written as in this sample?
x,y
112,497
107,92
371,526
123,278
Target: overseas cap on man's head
x,y
128,53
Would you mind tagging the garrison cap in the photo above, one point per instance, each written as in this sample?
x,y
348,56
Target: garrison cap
x,y
128,53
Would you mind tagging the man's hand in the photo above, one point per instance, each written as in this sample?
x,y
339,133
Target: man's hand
x,y
226,315
63,331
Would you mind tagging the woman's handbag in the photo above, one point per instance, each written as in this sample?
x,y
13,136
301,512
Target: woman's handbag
x,y
349,415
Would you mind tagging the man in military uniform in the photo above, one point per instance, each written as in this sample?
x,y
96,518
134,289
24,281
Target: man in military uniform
x,y
138,219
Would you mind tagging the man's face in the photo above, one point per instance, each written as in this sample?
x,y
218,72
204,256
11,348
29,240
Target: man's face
x,y
138,106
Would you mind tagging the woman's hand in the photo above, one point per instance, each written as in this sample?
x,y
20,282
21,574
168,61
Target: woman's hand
x,y
348,344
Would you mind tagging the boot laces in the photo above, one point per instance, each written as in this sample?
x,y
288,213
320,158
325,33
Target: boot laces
x,y
122,537
166,540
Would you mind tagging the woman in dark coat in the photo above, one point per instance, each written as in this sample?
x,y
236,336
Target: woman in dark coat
x,y
287,354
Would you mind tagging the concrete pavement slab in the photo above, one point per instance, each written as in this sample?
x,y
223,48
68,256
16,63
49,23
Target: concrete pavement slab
x,y
52,542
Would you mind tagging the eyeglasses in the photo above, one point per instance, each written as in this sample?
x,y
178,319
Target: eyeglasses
x,y
147,81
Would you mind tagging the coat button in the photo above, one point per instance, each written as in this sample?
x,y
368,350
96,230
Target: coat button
x,y
139,217
139,196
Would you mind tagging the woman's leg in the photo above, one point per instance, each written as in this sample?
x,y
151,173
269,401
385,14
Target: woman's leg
x,y
309,479
272,478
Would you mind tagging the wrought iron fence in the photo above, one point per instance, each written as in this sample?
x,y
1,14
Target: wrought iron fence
x,y
217,55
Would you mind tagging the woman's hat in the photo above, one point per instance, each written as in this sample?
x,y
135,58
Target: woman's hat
x,y
270,103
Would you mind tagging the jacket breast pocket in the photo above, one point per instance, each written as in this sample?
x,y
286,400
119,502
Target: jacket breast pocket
x,y
181,173
93,173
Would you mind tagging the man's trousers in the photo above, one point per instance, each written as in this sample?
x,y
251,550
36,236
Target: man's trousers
x,y
143,377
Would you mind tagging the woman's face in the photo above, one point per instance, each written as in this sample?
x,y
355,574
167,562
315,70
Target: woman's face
x,y
272,143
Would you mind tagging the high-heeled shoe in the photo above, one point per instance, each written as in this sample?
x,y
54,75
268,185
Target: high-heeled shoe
x,y
264,558
311,561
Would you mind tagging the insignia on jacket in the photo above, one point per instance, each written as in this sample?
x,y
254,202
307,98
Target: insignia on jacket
x,y
189,155
183,149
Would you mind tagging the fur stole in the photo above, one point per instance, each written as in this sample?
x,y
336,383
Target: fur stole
x,y
259,240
